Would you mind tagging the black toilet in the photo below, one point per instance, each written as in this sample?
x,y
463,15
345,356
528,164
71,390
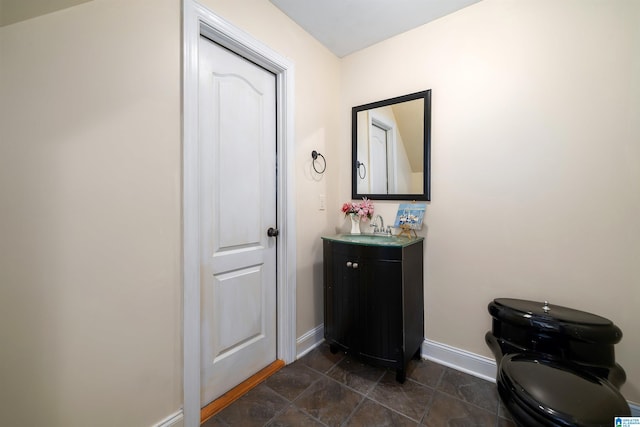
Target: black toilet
x,y
556,365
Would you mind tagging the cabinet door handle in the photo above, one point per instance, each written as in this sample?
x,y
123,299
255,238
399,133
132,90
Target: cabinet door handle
x,y
348,264
355,265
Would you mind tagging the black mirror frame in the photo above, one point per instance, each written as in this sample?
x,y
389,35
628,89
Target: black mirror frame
x,y
426,195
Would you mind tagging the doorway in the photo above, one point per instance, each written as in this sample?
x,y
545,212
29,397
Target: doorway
x,y
199,21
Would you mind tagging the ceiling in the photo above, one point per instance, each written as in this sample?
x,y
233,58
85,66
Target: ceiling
x,y
346,26
343,26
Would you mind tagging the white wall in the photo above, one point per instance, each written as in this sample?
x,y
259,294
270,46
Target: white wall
x,y
536,159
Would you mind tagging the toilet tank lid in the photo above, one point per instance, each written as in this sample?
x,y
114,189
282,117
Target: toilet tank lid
x,y
558,312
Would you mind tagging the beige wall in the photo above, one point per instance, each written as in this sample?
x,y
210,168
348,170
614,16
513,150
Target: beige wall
x,y
536,159
90,159
90,169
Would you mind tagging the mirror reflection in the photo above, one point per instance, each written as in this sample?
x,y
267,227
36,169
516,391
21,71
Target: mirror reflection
x,y
390,148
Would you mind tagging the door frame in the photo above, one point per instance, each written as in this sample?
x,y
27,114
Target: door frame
x,y
391,148
197,21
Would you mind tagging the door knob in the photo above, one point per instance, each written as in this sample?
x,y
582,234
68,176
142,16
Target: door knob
x,y
272,232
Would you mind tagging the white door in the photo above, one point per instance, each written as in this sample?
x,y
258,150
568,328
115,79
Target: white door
x,y
237,143
378,160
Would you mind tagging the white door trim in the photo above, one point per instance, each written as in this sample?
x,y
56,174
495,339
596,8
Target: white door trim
x,y
198,20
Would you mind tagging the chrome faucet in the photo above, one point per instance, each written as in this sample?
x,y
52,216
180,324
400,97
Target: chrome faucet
x,y
377,228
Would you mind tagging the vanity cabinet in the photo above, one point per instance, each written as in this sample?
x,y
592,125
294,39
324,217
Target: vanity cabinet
x,y
373,298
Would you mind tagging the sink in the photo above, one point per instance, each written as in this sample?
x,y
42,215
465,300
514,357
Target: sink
x,y
374,239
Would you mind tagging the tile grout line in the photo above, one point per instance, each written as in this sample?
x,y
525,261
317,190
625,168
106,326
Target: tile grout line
x,y
365,397
447,369
400,413
433,396
326,376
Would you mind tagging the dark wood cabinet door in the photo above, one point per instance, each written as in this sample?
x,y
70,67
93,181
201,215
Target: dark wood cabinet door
x,y
381,310
345,300
341,294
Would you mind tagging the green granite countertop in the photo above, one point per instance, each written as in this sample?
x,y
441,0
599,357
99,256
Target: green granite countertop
x,y
374,239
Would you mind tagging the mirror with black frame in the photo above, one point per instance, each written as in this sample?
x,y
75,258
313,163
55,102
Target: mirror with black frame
x,y
390,148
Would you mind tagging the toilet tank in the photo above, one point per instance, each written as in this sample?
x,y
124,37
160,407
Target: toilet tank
x,y
562,332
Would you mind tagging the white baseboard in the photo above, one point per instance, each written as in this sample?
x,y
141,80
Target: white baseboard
x,y
173,420
309,340
460,360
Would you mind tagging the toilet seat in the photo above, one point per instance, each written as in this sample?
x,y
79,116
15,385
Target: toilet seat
x,y
552,392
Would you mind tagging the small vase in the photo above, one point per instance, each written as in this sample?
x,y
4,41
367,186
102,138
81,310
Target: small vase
x,y
355,223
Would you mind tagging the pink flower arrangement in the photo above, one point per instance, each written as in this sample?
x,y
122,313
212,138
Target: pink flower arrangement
x,y
364,209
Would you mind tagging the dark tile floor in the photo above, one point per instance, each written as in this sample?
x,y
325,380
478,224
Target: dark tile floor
x,y
324,389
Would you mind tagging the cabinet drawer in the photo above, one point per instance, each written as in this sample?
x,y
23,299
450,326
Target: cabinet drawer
x,y
362,251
